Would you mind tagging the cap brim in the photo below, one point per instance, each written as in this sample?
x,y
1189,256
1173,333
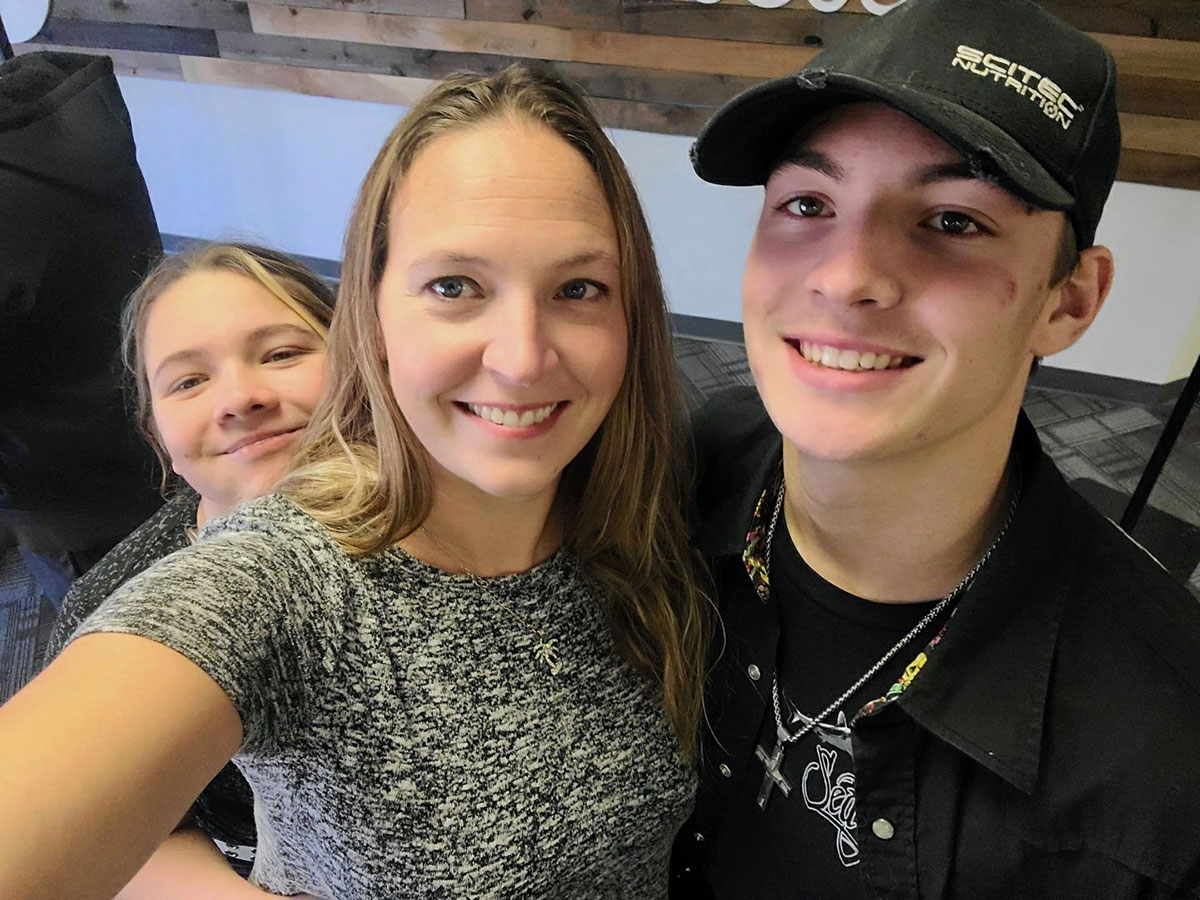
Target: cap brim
x,y
746,138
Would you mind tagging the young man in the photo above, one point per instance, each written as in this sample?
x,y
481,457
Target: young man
x,y
942,673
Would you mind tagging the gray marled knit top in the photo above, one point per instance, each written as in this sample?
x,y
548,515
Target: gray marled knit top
x,y
402,736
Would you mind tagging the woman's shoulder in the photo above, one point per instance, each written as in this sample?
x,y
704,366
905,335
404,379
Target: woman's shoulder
x,y
273,521
278,546
266,558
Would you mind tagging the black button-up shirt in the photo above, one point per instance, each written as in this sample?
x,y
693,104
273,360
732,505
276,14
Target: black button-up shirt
x,y
1049,746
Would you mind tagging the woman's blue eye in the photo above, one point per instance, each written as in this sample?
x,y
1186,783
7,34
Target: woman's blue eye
x,y
580,289
450,288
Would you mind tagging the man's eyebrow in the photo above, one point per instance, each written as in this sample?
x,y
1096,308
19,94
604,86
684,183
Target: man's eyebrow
x,y
805,158
954,171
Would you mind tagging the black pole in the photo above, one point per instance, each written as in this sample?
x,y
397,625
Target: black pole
x,y
1166,442
6,50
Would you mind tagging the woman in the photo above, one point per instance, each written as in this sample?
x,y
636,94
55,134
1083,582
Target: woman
x,y
222,343
459,653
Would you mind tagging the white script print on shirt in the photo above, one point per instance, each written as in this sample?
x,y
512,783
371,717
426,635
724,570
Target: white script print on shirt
x,y
827,792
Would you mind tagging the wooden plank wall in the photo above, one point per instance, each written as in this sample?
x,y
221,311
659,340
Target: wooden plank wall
x,y
650,65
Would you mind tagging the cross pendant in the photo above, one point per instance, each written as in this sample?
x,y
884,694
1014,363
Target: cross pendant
x,y
773,777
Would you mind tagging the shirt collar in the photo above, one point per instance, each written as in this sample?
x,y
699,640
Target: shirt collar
x,y
984,690
723,530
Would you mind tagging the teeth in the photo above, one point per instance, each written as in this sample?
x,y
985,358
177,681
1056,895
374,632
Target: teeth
x,y
849,360
510,418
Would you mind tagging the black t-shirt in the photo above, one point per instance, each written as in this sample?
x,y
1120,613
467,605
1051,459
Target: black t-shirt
x,y
805,845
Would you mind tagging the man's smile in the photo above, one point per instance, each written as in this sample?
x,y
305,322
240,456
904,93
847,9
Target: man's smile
x,y
852,359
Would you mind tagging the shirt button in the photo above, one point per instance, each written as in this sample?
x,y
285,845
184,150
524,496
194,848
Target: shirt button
x,y
883,829
724,770
752,671
699,837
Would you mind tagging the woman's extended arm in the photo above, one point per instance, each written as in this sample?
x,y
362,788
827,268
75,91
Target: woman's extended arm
x,y
188,866
100,757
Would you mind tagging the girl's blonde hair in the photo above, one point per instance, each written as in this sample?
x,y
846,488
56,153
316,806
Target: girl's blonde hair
x,y
299,289
362,472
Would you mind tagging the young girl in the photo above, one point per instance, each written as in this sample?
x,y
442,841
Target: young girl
x,y
225,346
460,653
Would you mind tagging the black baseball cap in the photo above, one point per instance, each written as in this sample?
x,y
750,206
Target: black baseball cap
x,y
1027,99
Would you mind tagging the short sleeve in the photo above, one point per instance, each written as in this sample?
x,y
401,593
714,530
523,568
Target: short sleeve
x,y
239,605
163,533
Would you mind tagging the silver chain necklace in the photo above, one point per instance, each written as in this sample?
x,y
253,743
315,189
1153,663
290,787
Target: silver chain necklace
x,y
547,648
773,777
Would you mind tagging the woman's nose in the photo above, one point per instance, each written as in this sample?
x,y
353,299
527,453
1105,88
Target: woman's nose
x,y
519,349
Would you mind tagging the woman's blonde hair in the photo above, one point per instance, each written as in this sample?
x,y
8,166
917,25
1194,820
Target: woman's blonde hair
x,y
295,286
363,473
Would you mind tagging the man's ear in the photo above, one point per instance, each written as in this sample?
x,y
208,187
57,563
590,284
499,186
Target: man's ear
x,y
1074,302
